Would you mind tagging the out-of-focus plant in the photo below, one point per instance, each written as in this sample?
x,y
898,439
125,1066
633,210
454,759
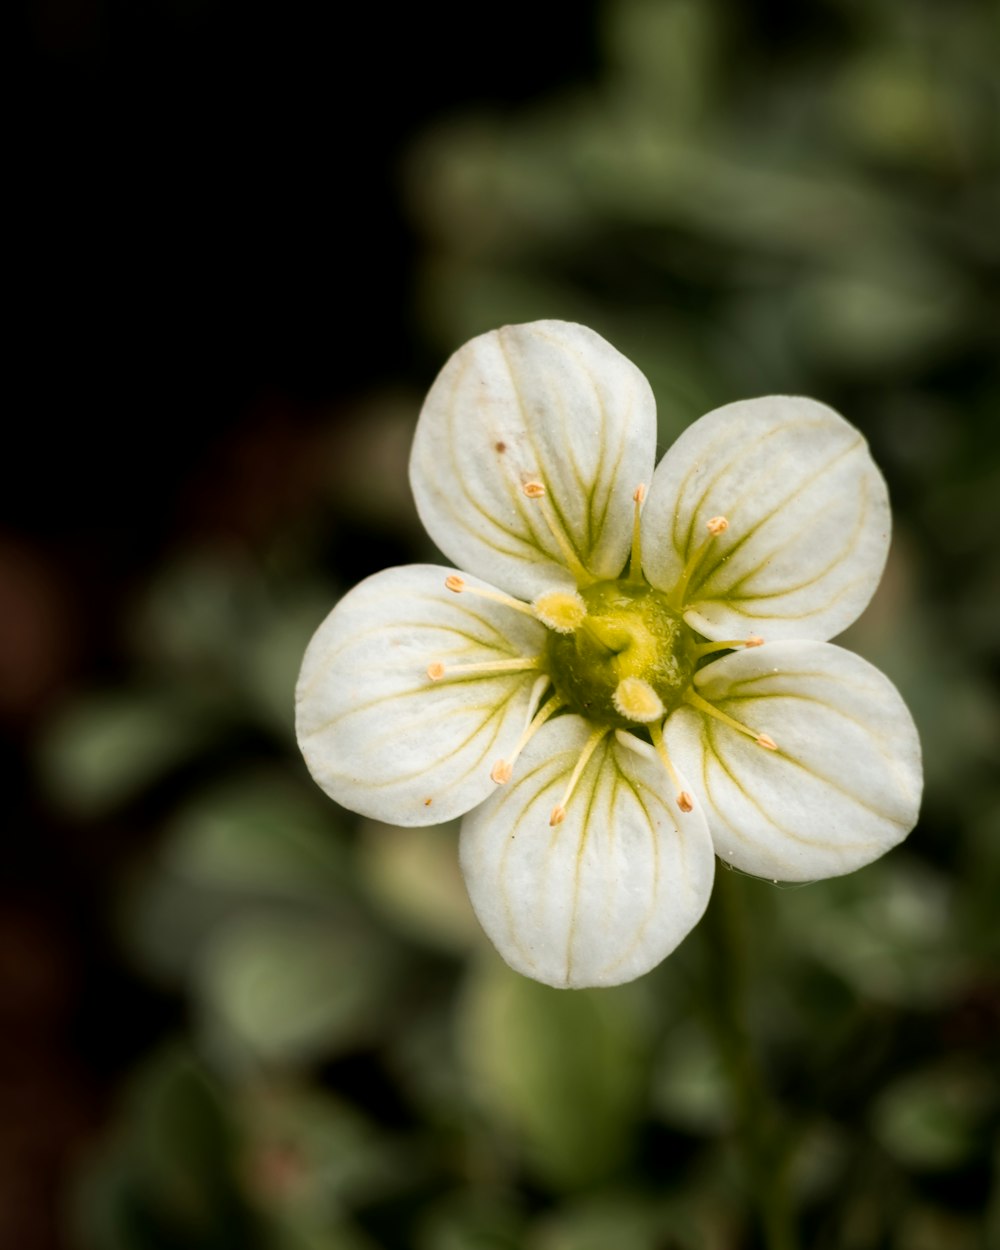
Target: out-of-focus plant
x,y
748,199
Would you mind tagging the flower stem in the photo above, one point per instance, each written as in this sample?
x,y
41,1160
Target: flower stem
x,y
760,1128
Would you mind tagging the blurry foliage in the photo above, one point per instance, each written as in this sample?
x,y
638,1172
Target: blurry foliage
x,y
749,200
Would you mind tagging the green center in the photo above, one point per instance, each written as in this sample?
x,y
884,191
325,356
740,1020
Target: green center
x,y
629,631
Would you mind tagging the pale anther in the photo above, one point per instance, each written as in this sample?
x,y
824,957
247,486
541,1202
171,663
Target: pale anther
x,y
639,494
590,746
560,610
684,799
536,490
754,641
692,697
502,770
458,585
436,670
717,525
636,700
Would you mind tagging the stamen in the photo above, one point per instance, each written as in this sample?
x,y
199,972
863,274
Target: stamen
x,y
716,525
503,769
637,700
559,811
437,670
635,563
684,800
560,610
458,585
536,490
695,700
731,644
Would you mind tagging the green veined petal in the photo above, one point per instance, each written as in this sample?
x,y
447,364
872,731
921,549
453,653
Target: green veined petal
x,y
844,784
377,734
603,896
808,515
549,402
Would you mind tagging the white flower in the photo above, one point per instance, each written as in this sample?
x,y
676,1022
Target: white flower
x,y
601,708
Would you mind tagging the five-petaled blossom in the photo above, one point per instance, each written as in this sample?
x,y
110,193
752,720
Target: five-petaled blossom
x,y
638,679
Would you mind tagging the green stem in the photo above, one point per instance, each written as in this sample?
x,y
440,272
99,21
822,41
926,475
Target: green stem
x,y
761,1134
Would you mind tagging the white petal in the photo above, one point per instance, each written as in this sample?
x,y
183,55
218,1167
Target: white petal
x,y
808,519
550,402
842,788
604,896
377,734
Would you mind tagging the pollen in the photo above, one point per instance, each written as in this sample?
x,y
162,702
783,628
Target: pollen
x,y
717,525
636,700
435,671
560,610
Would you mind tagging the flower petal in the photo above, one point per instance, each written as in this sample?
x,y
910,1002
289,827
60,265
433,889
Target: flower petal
x,y
377,734
604,896
548,402
808,519
844,784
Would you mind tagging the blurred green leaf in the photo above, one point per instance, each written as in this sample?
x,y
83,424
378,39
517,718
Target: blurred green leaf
x,y
103,749
167,1180
690,1088
289,988
935,1118
248,840
471,1220
414,877
889,931
564,1072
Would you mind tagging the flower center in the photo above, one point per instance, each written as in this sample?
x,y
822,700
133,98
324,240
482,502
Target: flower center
x,y
630,659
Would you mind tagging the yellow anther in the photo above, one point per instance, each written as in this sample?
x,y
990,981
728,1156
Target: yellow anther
x,y
639,494
534,490
560,610
637,700
501,772
455,583
765,740
754,640
717,525
558,815
685,802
